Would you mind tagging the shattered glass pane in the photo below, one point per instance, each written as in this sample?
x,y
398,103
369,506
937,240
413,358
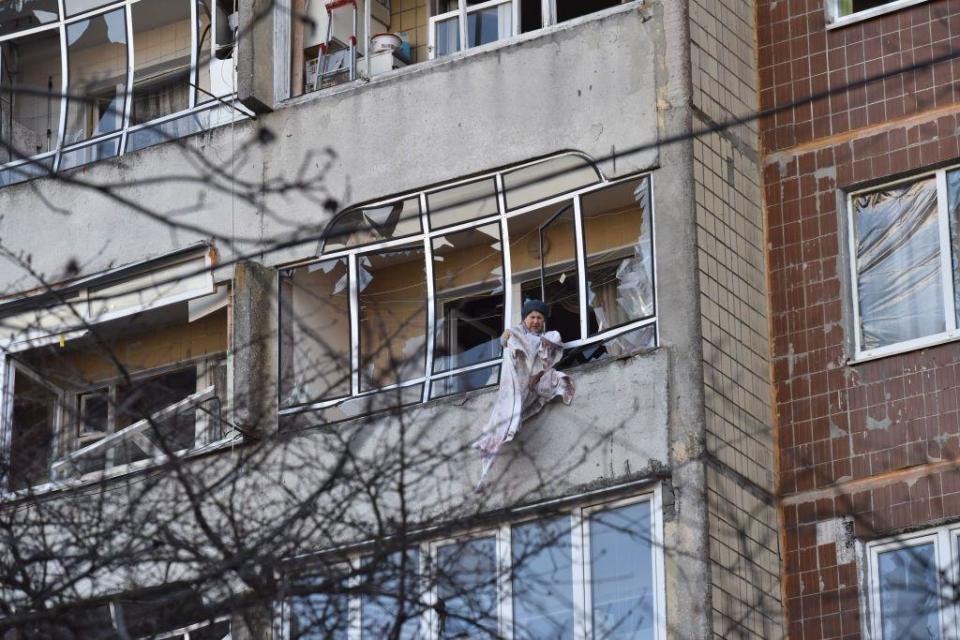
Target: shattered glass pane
x,y
97,61
27,14
547,179
631,342
897,240
462,203
909,593
468,290
358,227
618,240
393,318
315,333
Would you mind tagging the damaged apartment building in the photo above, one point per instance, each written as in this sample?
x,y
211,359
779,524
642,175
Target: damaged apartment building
x,y
257,259
862,189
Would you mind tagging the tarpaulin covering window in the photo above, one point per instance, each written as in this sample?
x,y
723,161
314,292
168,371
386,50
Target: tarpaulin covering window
x,y
898,264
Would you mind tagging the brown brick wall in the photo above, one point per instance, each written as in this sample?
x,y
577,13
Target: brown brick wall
x,y
799,57
873,443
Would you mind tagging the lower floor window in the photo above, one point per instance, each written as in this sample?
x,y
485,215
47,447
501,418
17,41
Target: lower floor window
x,y
593,572
910,578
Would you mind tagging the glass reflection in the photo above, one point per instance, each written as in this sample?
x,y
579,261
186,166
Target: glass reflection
x,y
909,593
447,36
27,14
467,588
489,25
392,598
621,573
542,580
31,81
161,54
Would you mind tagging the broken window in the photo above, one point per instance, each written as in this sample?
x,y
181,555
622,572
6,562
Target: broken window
x,y
619,254
97,68
93,391
430,304
468,289
589,572
315,325
392,292
903,242
103,50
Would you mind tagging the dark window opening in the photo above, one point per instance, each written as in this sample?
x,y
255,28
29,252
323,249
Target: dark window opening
x,y
570,9
34,412
863,5
472,328
531,15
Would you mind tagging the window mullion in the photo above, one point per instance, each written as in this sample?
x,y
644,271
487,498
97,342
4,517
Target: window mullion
x,y
462,23
505,582
854,276
128,98
581,267
581,575
505,255
431,306
354,325
946,257
64,91
194,39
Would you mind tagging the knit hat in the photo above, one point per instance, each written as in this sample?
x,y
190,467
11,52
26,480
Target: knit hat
x,y
529,306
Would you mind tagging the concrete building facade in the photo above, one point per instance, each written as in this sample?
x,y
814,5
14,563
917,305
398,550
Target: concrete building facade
x,y
252,360
863,352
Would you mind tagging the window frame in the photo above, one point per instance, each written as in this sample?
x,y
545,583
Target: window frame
x,y
225,104
946,544
950,310
426,237
834,20
77,302
578,513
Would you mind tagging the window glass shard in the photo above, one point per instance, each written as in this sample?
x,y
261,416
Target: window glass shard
x,y
469,297
358,227
315,333
897,241
27,14
619,247
97,67
393,320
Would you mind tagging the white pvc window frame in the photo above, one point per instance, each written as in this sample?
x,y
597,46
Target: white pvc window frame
x,y
946,545
579,518
835,19
226,101
461,14
952,331
427,234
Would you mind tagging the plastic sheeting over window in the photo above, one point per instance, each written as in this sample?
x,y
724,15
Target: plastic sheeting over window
x,y
898,264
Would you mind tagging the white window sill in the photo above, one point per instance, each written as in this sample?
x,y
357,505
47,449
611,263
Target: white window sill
x,y
115,472
904,347
868,14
